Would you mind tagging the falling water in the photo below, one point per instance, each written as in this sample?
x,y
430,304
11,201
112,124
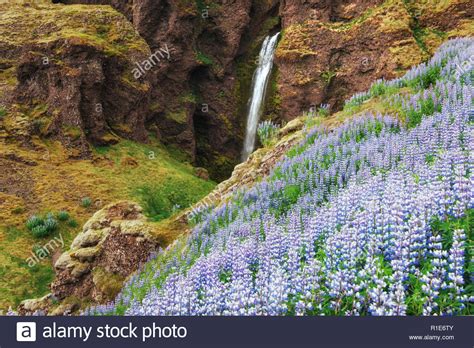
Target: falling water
x,y
259,86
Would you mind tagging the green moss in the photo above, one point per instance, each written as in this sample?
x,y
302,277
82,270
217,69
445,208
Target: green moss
x,y
73,132
296,43
272,107
327,76
28,282
154,107
204,59
225,120
130,81
189,97
108,283
98,26
180,116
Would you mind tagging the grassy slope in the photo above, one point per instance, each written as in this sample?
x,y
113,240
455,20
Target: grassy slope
x,y
116,173
377,103
52,181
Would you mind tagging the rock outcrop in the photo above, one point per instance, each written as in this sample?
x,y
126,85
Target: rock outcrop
x,y
69,74
195,101
112,245
333,49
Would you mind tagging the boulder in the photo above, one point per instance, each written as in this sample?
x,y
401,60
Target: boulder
x,y
112,245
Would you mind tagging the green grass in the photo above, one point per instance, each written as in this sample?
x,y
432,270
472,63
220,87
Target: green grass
x,y
161,181
413,117
117,173
18,280
204,59
86,202
160,201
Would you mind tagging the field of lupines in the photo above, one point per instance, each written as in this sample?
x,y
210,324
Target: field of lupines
x,y
372,218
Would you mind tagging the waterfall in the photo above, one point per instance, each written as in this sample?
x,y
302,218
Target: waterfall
x,y
259,87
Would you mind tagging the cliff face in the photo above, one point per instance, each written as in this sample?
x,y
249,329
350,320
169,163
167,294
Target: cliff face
x,y
67,75
195,95
197,60
332,49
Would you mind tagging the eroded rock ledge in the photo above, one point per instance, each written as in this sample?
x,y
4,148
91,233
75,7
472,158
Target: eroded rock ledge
x,y
112,245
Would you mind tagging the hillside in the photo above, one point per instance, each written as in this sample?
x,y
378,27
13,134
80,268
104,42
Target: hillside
x,y
58,156
372,217
125,166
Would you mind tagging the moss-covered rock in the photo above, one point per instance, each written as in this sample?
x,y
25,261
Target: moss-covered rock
x,y
360,42
112,245
71,73
107,283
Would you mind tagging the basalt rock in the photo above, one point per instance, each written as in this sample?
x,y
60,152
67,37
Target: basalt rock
x,y
333,49
113,245
72,74
195,99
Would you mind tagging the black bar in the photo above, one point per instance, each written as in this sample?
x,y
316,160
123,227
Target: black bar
x,y
327,332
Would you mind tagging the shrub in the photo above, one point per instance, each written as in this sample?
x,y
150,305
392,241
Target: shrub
x,y
18,210
72,223
378,89
86,202
42,226
50,224
323,110
40,231
33,222
3,111
62,215
202,58
267,132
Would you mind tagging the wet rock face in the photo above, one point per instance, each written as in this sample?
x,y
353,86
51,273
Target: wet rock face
x,y
194,103
112,245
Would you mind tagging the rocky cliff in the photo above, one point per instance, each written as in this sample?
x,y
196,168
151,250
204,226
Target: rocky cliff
x,y
196,62
196,99
332,49
66,74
